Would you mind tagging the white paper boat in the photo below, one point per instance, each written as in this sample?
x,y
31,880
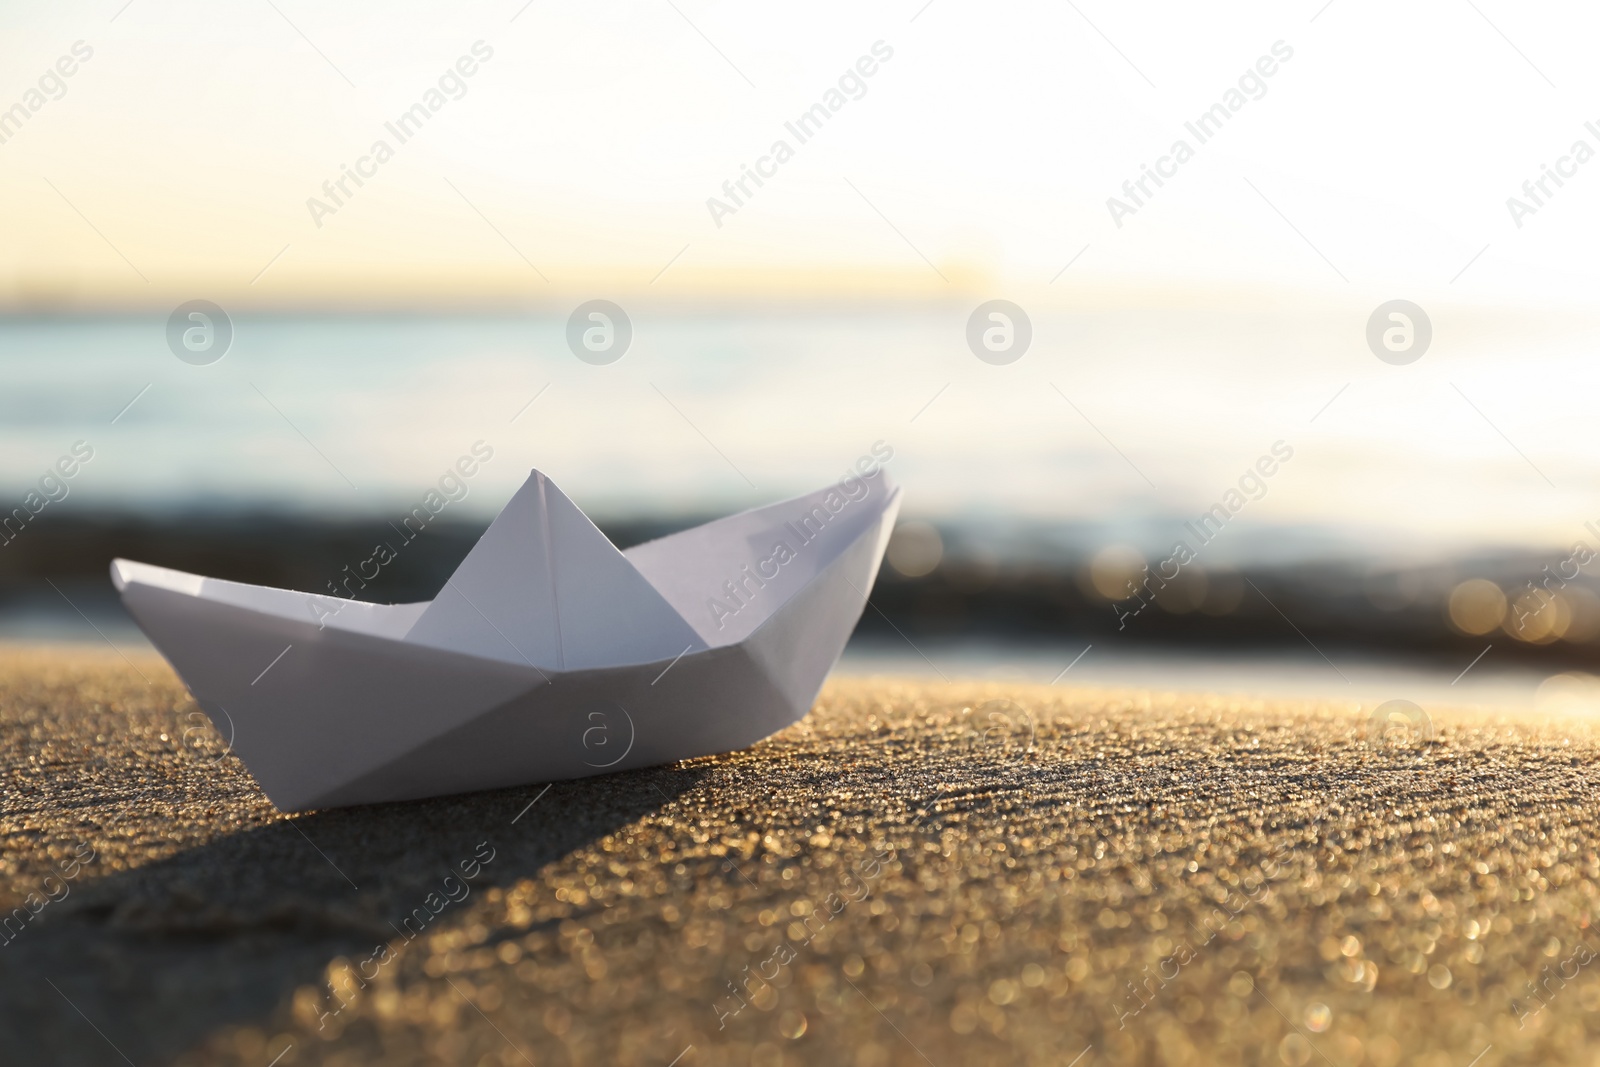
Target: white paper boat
x,y
548,655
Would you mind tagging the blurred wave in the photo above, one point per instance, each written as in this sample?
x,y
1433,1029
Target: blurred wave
x,y
1331,505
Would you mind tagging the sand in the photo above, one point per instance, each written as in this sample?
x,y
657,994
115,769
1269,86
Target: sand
x,y
939,874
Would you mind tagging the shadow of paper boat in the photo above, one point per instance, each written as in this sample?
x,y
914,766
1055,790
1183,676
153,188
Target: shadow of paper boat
x,y
548,655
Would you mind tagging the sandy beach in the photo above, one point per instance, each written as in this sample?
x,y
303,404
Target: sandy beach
x,y
941,874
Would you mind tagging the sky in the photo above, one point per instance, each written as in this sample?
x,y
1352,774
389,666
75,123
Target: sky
x,y
579,156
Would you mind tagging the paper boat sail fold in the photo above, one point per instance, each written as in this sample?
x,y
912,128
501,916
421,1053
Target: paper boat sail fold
x,y
547,655
544,586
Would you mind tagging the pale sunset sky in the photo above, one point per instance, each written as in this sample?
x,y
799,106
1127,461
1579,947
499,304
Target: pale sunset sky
x,y
979,157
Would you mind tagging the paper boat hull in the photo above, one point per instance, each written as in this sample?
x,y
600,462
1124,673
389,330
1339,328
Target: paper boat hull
x,y
344,717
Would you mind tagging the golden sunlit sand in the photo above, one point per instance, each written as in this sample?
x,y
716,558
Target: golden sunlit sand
x,y
915,874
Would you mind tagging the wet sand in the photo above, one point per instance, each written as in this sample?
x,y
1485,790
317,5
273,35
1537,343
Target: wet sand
x,y
940,874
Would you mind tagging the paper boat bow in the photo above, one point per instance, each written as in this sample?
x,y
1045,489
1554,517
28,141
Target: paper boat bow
x,y
548,655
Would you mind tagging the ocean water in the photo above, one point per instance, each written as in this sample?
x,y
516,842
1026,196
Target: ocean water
x,y
1359,684
1127,418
